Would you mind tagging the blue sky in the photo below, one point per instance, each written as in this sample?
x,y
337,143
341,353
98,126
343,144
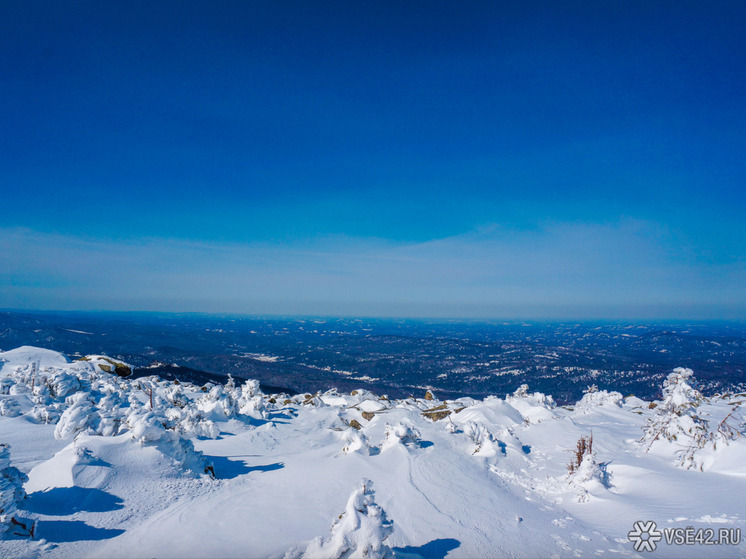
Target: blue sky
x,y
559,159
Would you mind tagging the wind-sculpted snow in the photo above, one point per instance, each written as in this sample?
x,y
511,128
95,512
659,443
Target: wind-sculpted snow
x,y
103,465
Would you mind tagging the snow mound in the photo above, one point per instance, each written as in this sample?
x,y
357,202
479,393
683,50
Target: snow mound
x,y
27,355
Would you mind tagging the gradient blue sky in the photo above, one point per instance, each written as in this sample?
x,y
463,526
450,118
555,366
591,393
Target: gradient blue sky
x,y
487,159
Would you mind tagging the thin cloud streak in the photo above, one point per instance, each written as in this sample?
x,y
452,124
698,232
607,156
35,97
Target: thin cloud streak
x,y
629,268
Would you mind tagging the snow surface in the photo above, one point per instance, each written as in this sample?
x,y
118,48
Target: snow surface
x,y
113,467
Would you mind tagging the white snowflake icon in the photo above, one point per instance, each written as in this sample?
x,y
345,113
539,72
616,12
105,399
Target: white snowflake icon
x,y
644,535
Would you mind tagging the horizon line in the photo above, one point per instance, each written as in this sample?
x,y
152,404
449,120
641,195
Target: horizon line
x,y
433,318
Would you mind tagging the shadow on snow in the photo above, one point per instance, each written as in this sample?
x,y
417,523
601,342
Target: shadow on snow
x,y
59,531
63,501
436,549
225,468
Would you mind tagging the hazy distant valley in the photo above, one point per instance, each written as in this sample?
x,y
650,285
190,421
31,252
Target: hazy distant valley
x,y
398,357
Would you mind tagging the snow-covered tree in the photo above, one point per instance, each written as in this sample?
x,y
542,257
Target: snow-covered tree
x,y
399,434
583,459
355,441
11,489
521,391
80,416
250,401
676,419
359,532
534,407
219,403
9,407
486,444
593,397
584,471
730,427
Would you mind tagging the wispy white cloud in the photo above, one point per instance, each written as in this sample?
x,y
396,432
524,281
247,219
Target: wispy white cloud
x,y
628,268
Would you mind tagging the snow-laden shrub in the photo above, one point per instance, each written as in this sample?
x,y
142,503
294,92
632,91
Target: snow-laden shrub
x,y
93,412
5,384
80,416
145,426
9,407
534,407
83,454
109,426
18,389
111,402
730,427
485,443
175,396
63,384
46,414
150,386
250,400
676,419
582,456
250,388
11,488
40,392
201,428
451,427
355,441
149,428
583,471
521,391
191,423
593,397
678,394
536,398
182,452
218,404
399,434
359,532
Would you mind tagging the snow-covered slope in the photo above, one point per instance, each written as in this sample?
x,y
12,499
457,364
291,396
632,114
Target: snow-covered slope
x,y
113,467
